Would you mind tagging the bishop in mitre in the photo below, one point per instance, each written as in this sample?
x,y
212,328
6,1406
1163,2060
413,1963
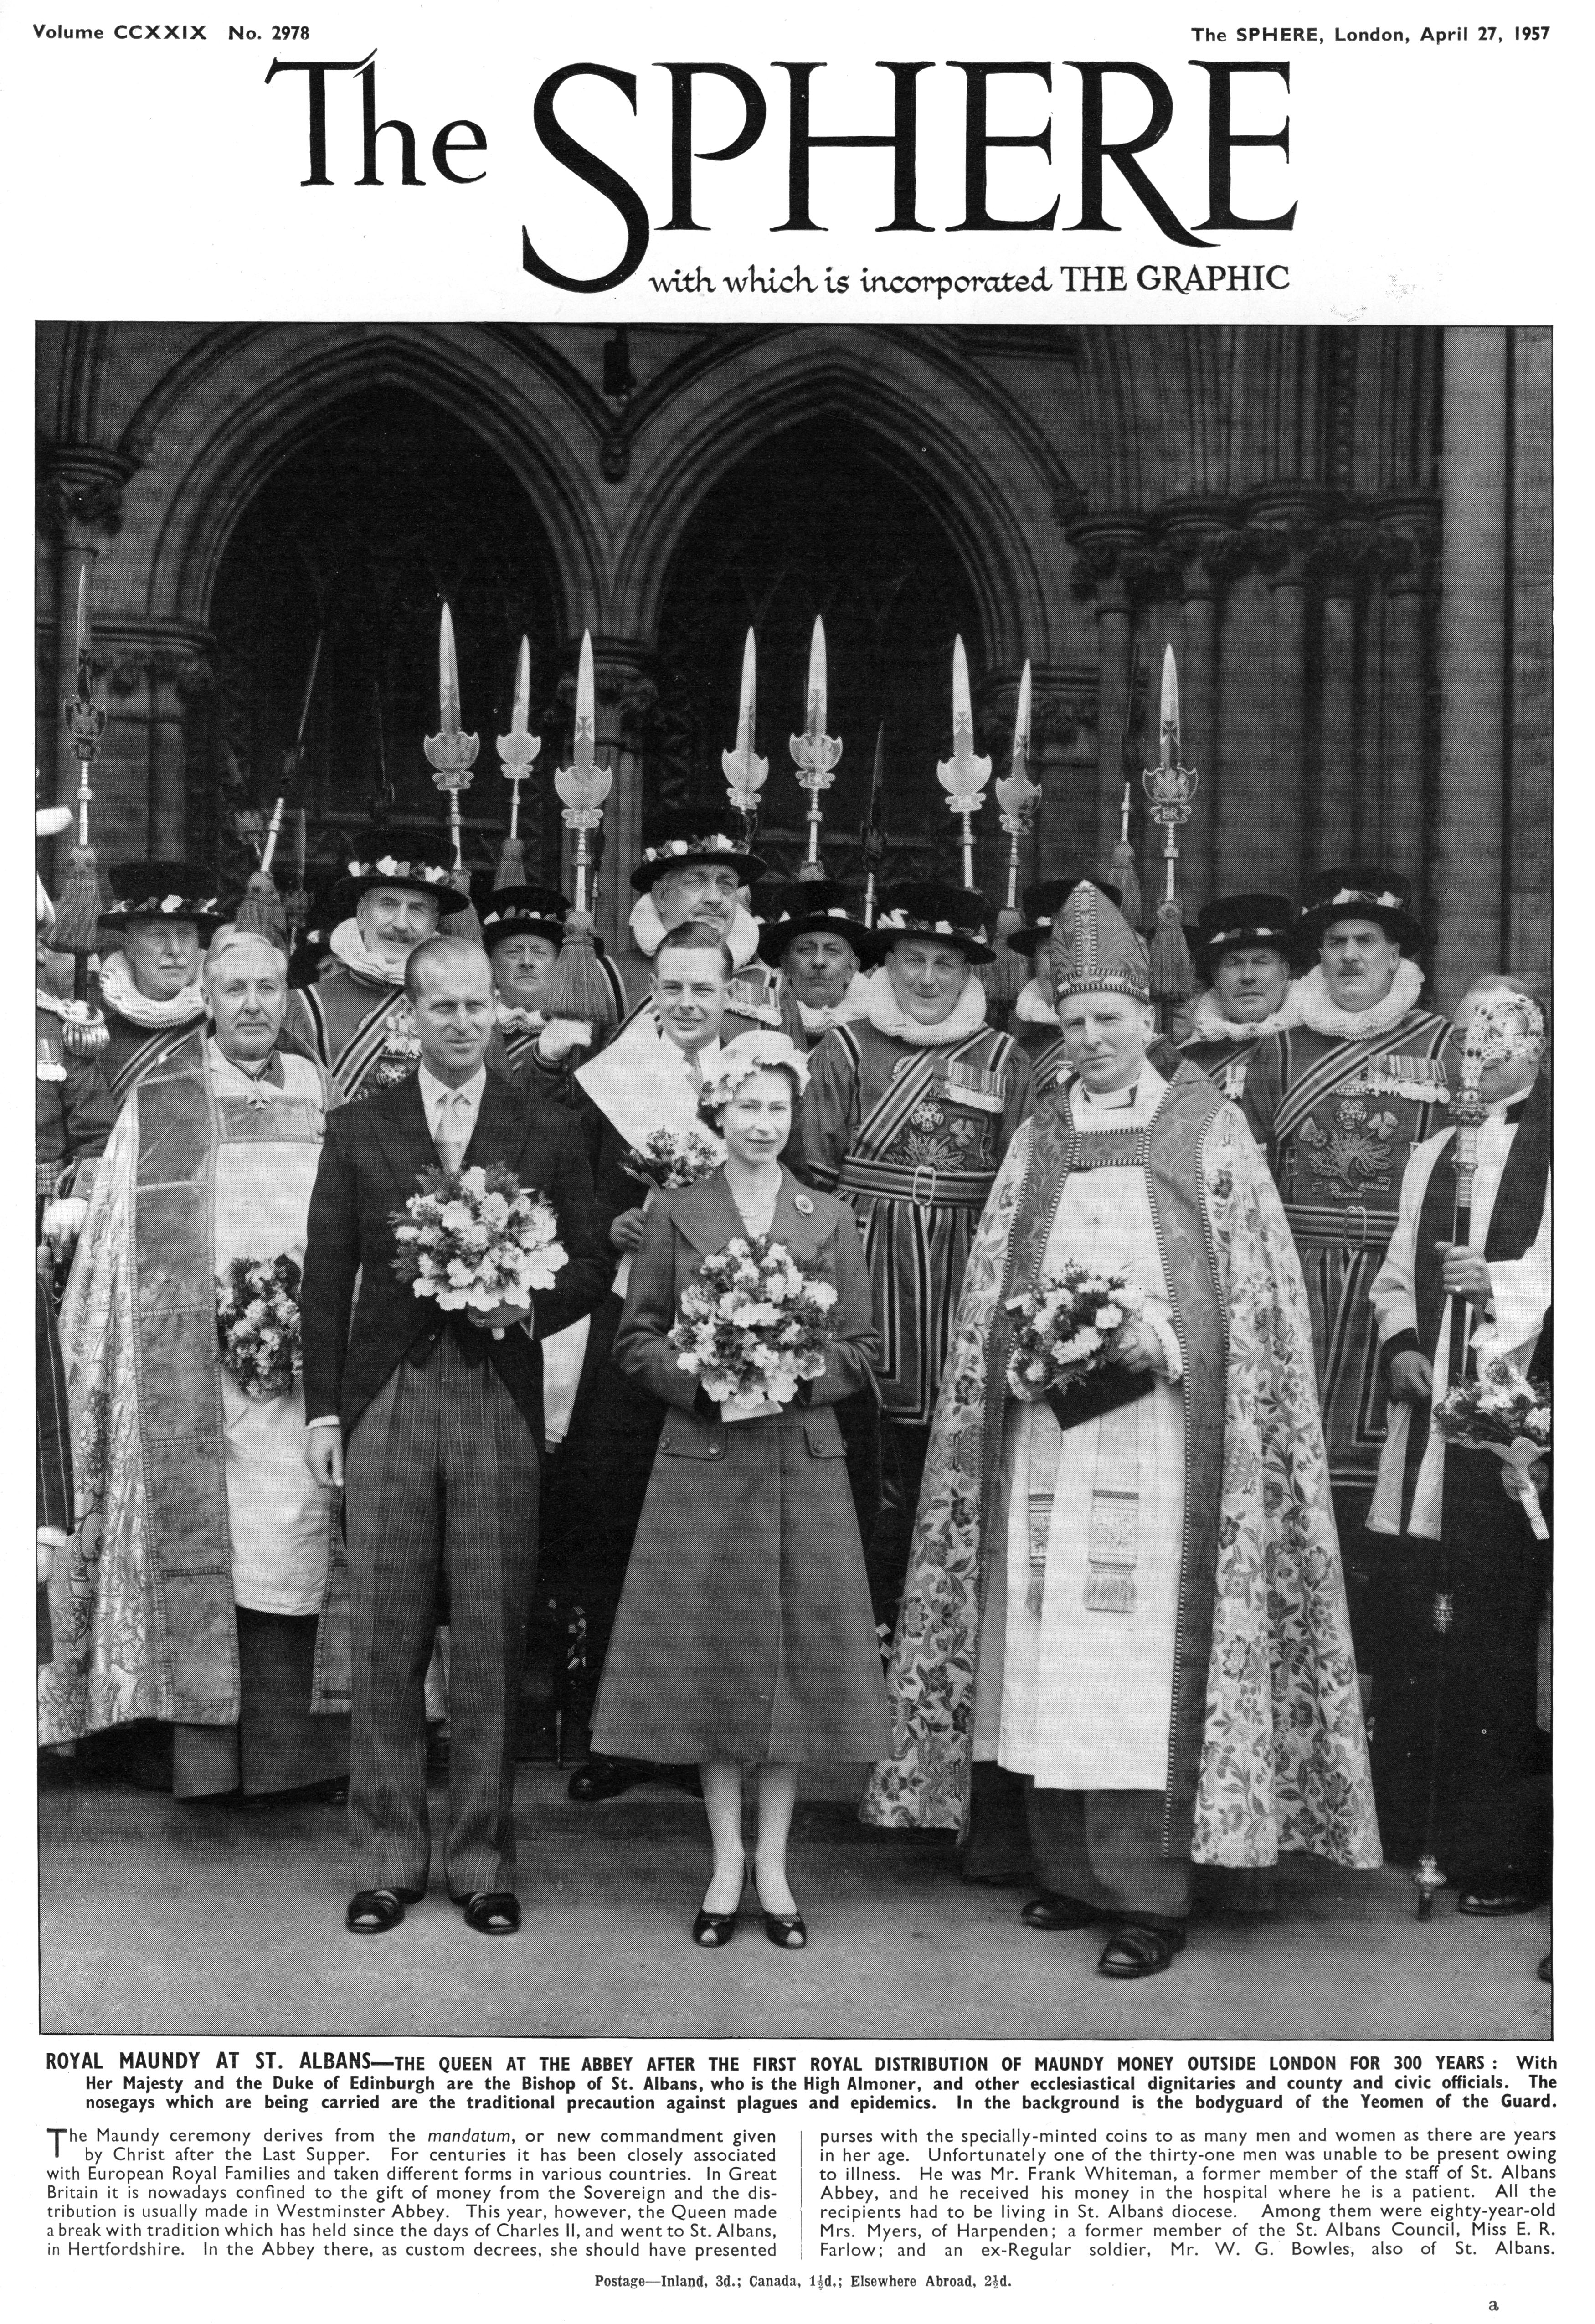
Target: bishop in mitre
x,y
1132,1595
205,1585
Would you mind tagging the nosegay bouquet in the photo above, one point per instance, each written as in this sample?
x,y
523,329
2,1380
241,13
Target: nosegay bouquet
x,y
476,1239
257,1322
1502,1413
668,1158
753,1324
1065,1328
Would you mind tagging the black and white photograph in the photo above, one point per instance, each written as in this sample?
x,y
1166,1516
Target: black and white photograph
x,y
793,1179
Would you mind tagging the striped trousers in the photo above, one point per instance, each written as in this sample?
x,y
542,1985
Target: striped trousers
x,y
441,1479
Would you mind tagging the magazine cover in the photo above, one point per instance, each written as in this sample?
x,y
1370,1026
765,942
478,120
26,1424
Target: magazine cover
x,y
794,1058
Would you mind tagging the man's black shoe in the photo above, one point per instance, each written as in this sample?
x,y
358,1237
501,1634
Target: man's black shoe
x,y
1051,1911
603,1778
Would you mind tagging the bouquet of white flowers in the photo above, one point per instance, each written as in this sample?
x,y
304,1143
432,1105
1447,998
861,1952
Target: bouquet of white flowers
x,y
477,1239
753,1324
668,1158
257,1322
1065,1328
1503,1413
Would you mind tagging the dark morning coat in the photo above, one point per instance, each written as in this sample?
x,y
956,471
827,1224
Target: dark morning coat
x,y
745,1630
370,1165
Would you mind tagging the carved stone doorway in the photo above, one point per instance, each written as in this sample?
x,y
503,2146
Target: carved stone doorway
x,y
392,506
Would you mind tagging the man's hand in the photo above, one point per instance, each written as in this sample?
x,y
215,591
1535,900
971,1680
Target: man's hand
x,y
51,1540
324,1454
626,1232
1412,1378
1465,1274
63,1222
500,1318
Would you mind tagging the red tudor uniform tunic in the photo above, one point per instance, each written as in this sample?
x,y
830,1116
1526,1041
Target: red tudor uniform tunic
x,y
1340,1119
912,1137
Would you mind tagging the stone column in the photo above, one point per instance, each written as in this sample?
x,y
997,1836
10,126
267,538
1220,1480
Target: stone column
x,y
168,758
1286,531
1529,805
1407,841
1469,819
1244,776
1100,549
1064,720
1335,560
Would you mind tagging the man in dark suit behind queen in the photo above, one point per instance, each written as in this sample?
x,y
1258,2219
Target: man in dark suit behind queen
x,y
432,1422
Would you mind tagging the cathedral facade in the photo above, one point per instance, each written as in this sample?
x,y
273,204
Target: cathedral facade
x,y
1344,533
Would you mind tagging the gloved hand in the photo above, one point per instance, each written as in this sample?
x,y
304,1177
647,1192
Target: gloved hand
x,y
63,1222
565,1033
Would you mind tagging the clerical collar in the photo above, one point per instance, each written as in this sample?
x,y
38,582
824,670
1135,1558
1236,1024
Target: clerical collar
x,y
1112,1100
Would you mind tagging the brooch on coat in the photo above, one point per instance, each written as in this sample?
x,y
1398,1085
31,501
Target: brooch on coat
x,y
803,1206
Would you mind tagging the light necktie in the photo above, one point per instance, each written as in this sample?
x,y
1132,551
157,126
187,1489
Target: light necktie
x,y
450,1139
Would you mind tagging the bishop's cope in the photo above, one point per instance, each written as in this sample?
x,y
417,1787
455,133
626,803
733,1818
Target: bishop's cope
x,y
1139,1612
205,1585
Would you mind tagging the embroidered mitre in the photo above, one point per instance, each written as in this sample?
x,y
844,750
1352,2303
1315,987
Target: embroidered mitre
x,y
1094,949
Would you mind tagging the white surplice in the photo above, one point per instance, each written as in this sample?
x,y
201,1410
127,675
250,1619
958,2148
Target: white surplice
x,y
1076,1698
278,1518
1521,1293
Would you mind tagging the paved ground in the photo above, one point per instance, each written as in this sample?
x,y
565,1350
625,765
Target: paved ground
x,y
171,1918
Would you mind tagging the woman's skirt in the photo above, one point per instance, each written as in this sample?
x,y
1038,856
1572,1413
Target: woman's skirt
x,y
745,1630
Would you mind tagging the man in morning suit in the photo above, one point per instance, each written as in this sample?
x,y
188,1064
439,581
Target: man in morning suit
x,y
434,1428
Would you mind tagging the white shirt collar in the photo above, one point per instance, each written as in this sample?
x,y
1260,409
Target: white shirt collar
x,y
433,1091
703,1058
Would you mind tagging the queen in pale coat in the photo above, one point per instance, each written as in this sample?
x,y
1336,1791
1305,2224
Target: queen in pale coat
x,y
745,1632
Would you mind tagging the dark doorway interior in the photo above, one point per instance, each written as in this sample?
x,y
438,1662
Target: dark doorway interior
x,y
817,521
391,508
